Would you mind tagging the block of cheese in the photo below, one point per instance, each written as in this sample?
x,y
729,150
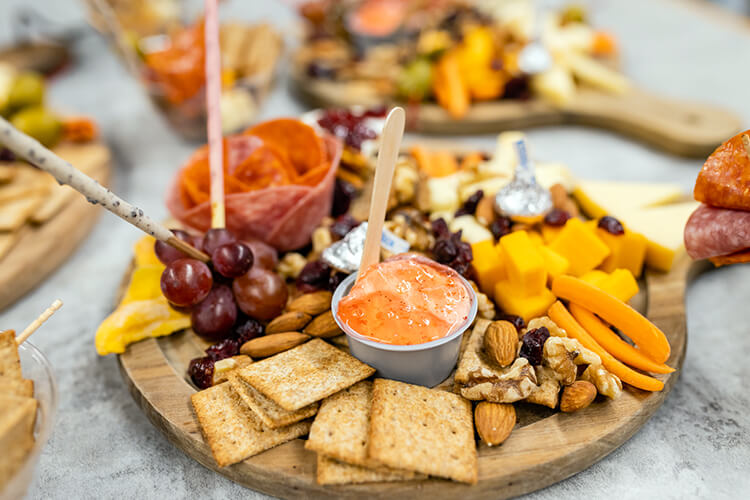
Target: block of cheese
x,y
504,160
663,228
524,264
583,249
627,251
600,198
594,277
528,307
621,283
555,263
489,187
549,174
471,230
549,233
488,265
442,192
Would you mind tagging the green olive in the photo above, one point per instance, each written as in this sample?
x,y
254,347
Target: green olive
x,y
27,90
39,123
415,79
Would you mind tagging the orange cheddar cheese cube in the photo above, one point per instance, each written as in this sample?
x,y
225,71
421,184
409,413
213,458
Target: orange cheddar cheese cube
x,y
523,263
529,307
595,277
488,264
621,283
627,251
536,238
555,263
549,233
583,249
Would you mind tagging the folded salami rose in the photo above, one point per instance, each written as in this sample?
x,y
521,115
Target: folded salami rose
x,y
269,195
712,232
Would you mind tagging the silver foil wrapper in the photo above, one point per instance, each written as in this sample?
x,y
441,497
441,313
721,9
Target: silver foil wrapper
x,y
346,254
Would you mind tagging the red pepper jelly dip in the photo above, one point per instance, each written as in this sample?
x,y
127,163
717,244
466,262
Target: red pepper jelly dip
x,y
406,300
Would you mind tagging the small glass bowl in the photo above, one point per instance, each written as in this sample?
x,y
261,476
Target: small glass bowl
x,y
36,367
425,364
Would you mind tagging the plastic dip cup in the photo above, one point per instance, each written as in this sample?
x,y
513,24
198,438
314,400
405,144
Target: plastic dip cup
x,y
425,364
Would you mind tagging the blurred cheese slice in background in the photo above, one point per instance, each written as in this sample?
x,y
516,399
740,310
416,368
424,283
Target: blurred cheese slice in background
x,y
600,198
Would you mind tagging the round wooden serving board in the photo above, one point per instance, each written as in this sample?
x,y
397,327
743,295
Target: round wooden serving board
x,y
679,127
545,447
42,248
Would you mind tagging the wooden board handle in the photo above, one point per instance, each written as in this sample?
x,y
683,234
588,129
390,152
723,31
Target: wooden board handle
x,y
681,127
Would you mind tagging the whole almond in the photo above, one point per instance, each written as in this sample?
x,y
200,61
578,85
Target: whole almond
x,y
288,322
323,326
268,345
561,200
494,421
501,342
577,396
311,303
485,212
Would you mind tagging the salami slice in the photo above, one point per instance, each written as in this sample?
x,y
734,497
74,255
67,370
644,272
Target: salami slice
x,y
711,232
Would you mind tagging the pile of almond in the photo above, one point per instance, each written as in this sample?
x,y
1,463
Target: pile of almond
x,y
305,317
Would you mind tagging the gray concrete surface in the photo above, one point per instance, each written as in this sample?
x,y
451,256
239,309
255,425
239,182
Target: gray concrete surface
x,y
697,445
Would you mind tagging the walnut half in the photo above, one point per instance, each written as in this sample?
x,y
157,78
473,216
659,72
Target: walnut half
x,y
606,383
563,354
548,391
514,383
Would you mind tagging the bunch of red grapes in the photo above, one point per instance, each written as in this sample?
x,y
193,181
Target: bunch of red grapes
x,y
227,298
237,280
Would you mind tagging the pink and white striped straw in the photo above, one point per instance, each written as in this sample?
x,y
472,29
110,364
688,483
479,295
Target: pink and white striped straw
x,y
213,97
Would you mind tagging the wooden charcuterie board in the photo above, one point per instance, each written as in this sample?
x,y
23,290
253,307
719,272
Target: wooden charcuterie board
x,y
41,249
680,127
546,446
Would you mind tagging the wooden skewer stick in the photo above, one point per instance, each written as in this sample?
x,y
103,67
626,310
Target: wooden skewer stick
x,y
38,322
29,148
746,143
213,126
390,143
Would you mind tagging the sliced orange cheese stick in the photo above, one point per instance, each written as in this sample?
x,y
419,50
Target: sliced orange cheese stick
x,y
652,341
614,344
564,320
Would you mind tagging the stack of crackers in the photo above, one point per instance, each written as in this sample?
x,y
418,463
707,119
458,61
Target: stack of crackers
x,y
30,197
18,410
363,431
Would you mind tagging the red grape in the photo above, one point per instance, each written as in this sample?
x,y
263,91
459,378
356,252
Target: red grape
x,y
232,259
216,237
166,253
214,317
265,255
185,282
260,293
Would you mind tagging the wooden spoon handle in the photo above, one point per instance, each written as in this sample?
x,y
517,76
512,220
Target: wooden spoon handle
x,y
390,143
680,127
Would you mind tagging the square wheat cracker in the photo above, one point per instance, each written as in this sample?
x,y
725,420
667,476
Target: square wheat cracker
x,y
16,434
271,414
330,471
424,430
14,213
10,362
232,430
342,427
305,374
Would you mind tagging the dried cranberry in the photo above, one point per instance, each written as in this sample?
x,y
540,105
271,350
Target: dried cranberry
x,y
462,263
348,126
343,194
516,321
376,112
335,280
517,88
611,225
470,205
556,217
440,229
314,276
500,227
317,70
533,345
343,225
201,371
248,329
224,349
445,251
